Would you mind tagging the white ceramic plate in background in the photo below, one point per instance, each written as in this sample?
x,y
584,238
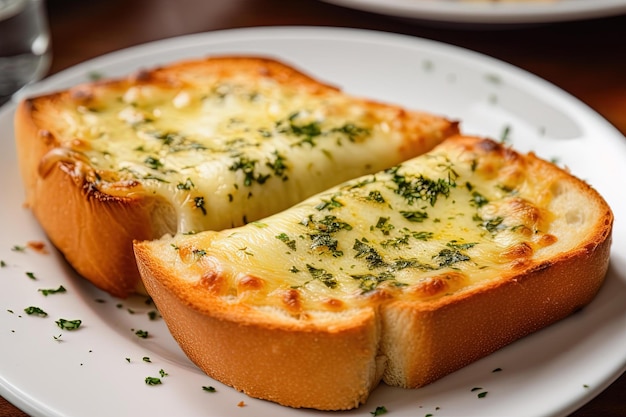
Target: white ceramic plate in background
x,y
99,369
490,11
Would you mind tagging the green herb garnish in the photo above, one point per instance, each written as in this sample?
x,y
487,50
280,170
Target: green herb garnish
x,y
283,237
150,380
68,324
187,185
414,216
478,200
384,226
198,202
35,311
448,257
380,410
322,275
49,291
153,162
371,256
248,167
420,188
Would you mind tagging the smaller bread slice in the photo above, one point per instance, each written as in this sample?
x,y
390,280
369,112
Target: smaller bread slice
x,y
202,144
405,275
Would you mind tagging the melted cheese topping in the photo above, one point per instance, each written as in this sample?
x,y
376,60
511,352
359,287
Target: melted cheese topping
x,y
226,152
428,228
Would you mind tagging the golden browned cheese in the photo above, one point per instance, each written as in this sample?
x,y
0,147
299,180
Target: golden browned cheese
x,y
420,269
205,144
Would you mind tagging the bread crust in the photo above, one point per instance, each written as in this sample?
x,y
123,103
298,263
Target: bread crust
x,y
92,229
465,329
328,367
409,342
93,226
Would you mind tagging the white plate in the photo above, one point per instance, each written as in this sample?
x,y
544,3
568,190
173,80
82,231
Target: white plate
x,y
490,11
85,372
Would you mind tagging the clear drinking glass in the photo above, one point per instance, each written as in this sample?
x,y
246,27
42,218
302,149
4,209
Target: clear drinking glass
x,y
24,45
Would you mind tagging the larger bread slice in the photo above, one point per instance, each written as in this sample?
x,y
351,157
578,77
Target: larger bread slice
x,y
405,275
202,144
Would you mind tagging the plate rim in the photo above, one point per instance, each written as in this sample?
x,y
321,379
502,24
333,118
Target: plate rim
x,y
487,13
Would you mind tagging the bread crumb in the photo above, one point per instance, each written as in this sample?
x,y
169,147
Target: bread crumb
x,y
241,404
37,246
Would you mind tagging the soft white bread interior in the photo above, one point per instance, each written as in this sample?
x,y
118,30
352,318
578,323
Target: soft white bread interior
x,y
203,144
405,275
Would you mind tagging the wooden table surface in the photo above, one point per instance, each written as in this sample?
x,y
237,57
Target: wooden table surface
x,y
585,58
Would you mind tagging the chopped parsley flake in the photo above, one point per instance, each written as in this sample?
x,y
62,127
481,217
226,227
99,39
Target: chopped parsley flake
x,y
36,311
421,188
333,203
198,202
153,162
402,263
305,132
449,257
373,258
414,216
352,131
327,224
384,226
198,253
380,410
278,166
396,242
325,240
248,167
283,237
478,200
322,275
376,196
49,291
150,380
505,136
492,225
369,282
68,324
187,185
460,246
